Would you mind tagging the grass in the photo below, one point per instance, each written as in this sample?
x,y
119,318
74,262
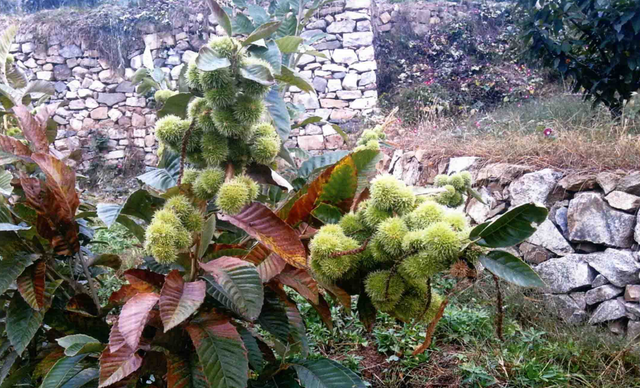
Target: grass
x,y
583,139
539,350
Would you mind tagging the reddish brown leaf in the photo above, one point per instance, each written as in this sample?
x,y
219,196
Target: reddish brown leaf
x,y
183,372
31,284
34,128
363,196
55,203
48,362
324,311
133,317
271,267
303,206
178,300
265,226
144,280
115,366
339,294
116,340
301,281
121,296
83,305
257,254
14,147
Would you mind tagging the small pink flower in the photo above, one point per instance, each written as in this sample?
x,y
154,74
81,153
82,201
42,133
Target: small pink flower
x,y
548,132
477,124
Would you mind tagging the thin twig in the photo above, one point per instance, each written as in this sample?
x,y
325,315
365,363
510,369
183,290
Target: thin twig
x,y
183,154
499,315
229,172
194,264
51,278
90,282
431,329
71,282
392,272
429,297
352,251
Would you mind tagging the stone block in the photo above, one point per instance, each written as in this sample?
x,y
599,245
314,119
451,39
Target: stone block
x,y
368,78
347,56
136,101
618,266
623,201
342,114
361,67
364,25
366,53
138,121
333,142
385,18
600,294
591,219
76,105
358,4
340,27
70,51
313,142
44,75
350,82
330,103
533,187
334,85
100,113
309,101
363,103
357,39
566,274
111,99
632,293
118,154
349,94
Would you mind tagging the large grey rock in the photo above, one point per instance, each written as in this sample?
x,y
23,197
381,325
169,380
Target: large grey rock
x,y
599,281
461,164
479,211
501,173
600,294
579,298
111,99
591,219
61,72
342,26
632,309
609,310
566,308
623,201
534,187
607,181
560,219
566,274
630,183
548,236
578,182
619,267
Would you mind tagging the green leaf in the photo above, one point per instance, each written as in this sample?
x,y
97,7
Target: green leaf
x,y
11,267
241,282
474,194
242,24
326,213
321,161
510,268
511,228
262,32
288,27
279,112
176,105
221,351
289,44
63,370
146,86
259,73
166,175
83,378
273,317
325,373
340,132
258,14
271,54
108,260
342,183
5,45
141,204
207,235
136,229
308,120
22,323
221,16
253,349
76,344
290,77
209,60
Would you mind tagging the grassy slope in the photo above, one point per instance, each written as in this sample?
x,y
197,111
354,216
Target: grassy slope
x,y
539,350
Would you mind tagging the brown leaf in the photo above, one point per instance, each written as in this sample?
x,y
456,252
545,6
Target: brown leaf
x,y
45,365
133,317
83,305
144,280
257,254
339,294
271,267
34,128
184,372
116,340
118,365
14,147
121,296
303,206
324,311
178,300
265,226
363,196
55,202
301,281
31,284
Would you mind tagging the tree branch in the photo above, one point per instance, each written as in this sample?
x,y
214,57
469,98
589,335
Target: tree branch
x,y
87,274
183,154
352,251
500,315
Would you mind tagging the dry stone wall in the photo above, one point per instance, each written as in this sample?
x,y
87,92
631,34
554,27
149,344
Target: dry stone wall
x,y
110,123
587,249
